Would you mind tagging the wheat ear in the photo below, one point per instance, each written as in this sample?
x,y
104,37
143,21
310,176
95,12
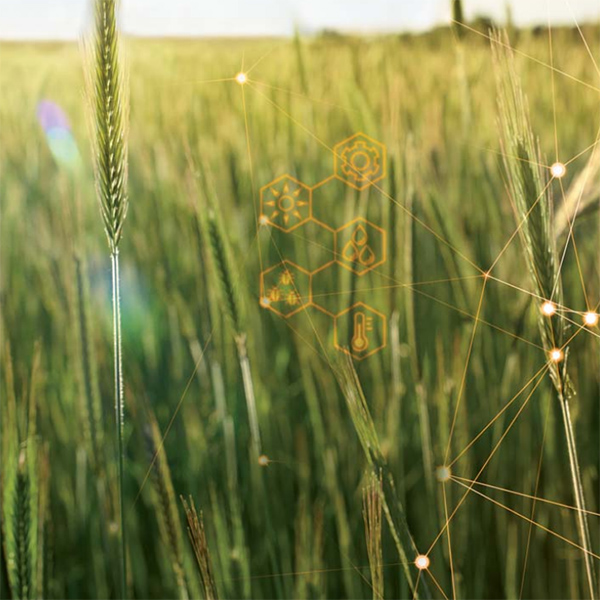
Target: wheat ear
x,y
109,107
534,205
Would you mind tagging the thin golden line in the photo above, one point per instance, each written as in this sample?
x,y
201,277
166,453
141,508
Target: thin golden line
x,y
308,572
449,542
553,85
416,590
175,413
201,81
536,60
251,163
535,492
397,285
428,228
484,465
579,330
530,293
546,529
587,329
590,147
313,348
523,240
467,314
528,496
503,154
256,63
587,47
437,585
374,185
465,371
572,238
572,223
303,96
499,414
516,231
363,577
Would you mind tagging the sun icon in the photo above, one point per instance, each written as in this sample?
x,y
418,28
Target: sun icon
x,y
286,203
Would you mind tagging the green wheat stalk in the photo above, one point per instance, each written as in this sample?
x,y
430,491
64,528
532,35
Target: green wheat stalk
x,y
109,106
392,507
534,204
228,294
166,506
20,502
372,512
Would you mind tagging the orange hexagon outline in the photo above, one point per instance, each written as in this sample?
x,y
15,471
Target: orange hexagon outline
x,y
263,295
366,307
337,158
297,182
384,246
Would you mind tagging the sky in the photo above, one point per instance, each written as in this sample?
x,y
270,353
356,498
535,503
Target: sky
x,y
70,19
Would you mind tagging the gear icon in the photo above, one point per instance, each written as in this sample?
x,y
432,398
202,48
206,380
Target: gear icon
x,y
360,161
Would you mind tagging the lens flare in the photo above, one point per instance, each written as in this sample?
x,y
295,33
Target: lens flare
x,y
556,355
59,137
558,170
548,308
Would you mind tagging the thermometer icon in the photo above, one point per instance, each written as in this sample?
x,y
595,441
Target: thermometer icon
x,y
362,324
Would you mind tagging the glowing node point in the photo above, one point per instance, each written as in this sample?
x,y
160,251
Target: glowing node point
x,y
556,354
486,275
558,170
241,78
591,319
263,220
263,460
443,474
548,308
265,301
422,562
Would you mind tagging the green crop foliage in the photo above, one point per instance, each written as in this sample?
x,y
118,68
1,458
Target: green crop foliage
x,y
345,485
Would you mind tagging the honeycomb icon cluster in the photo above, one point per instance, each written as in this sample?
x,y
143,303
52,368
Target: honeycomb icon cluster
x,y
286,288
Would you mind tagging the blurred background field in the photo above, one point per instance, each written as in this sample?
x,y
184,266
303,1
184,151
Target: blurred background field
x,y
293,528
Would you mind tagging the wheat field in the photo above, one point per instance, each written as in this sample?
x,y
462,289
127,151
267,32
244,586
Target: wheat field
x,y
310,477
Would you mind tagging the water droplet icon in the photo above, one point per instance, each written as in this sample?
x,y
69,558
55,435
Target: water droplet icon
x,y
360,236
350,253
366,256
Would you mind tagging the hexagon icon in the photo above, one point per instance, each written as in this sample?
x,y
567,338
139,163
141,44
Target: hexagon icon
x,y
360,246
285,203
359,161
285,289
360,331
